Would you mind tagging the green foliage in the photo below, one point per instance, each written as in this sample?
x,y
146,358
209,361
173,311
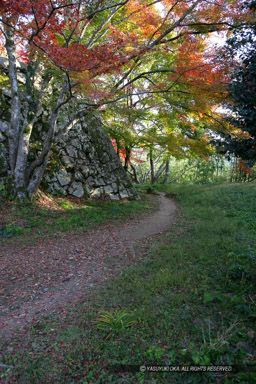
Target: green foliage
x,y
64,215
187,171
9,231
7,191
154,354
197,171
115,322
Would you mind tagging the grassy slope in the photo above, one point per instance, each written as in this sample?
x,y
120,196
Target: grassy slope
x,y
193,299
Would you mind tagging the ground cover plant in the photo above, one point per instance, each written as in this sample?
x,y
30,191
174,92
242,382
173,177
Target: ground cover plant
x,y
51,215
189,300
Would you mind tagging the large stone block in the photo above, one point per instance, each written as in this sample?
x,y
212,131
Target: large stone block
x,y
123,194
2,138
76,143
85,169
4,126
63,177
76,189
96,193
71,151
68,161
108,189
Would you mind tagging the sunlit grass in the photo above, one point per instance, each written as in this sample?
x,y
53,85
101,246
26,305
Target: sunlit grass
x,y
63,214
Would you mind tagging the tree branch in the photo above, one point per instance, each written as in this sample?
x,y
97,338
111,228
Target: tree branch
x,y
176,24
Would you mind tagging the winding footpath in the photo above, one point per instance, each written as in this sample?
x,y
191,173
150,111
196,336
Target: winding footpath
x,y
52,273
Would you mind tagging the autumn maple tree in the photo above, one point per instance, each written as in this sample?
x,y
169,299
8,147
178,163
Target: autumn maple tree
x,y
96,52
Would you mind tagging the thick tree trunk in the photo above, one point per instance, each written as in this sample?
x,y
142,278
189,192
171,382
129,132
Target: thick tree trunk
x,y
21,161
127,158
155,175
37,177
27,177
15,102
36,169
30,118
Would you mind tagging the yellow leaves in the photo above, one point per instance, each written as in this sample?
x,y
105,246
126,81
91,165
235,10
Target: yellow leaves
x,y
60,39
4,80
142,20
199,146
82,81
238,133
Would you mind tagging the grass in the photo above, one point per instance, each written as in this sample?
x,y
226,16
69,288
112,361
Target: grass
x,y
42,217
192,302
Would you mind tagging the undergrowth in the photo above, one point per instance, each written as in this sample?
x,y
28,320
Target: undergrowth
x,y
190,302
42,217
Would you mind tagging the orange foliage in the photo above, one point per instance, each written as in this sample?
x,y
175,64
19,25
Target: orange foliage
x,y
242,168
122,152
40,27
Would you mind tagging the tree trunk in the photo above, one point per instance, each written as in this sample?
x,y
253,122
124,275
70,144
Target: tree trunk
x,y
167,171
27,177
127,158
152,166
36,169
135,175
15,102
30,117
159,172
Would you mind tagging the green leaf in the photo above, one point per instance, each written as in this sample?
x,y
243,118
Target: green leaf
x,y
208,297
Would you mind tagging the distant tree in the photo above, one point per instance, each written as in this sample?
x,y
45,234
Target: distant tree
x,y
241,48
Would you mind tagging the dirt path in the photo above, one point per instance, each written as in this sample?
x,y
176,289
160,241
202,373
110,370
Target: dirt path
x,y
38,279
156,223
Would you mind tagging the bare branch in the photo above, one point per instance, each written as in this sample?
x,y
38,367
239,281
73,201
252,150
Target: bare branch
x,y
175,25
136,64
147,73
170,10
106,8
91,42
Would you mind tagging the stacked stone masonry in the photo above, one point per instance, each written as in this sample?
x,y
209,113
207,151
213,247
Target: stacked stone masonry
x,y
89,165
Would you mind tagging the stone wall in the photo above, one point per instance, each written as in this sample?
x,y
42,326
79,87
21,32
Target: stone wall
x,y
88,165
